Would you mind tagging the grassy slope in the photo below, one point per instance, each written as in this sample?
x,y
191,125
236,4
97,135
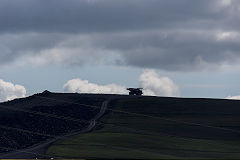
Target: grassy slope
x,y
152,138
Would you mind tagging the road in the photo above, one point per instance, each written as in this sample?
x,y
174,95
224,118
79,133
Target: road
x,y
38,150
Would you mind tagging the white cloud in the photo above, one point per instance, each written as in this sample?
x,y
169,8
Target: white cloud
x,y
9,91
83,86
156,85
233,97
152,83
226,2
224,36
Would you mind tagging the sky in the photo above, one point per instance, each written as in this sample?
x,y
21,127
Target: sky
x,y
176,48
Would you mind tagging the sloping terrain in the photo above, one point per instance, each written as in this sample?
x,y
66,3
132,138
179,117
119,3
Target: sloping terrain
x,y
160,128
29,121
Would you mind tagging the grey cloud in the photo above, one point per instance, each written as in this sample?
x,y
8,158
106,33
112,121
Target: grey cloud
x,y
181,51
171,50
163,34
13,46
106,15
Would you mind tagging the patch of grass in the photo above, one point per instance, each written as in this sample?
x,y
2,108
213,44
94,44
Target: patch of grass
x,y
108,145
126,136
139,146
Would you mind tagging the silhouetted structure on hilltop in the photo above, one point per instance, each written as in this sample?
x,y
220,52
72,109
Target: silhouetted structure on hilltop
x,y
135,91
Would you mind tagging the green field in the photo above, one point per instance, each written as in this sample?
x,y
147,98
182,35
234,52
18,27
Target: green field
x,y
165,136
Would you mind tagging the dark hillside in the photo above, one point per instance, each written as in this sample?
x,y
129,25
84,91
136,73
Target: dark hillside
x,y
181,116
160,128
24,114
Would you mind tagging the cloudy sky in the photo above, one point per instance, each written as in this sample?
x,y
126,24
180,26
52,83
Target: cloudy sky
x,y
169,47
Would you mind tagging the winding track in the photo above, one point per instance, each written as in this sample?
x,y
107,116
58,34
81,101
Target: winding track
x,y
38,150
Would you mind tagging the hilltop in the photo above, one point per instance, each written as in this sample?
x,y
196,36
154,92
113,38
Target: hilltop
x,y
136,127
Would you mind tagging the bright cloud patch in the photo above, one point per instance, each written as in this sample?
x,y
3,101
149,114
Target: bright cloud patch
x,y
233,97
152,83
156,85
83,86
9,91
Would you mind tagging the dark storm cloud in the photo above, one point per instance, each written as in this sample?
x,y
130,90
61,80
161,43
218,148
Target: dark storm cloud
x,y
103,15
165,34
171,50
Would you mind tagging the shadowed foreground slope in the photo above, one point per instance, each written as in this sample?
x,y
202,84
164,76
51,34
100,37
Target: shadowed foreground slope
x,y
33,120
168,128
